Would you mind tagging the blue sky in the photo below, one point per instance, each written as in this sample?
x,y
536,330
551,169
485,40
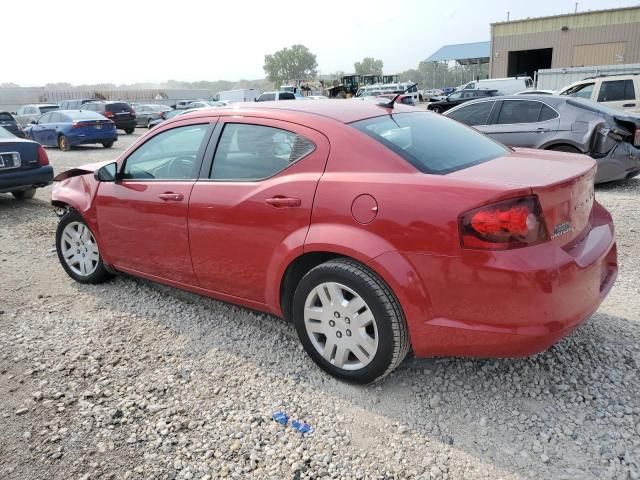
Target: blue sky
x,y
151,41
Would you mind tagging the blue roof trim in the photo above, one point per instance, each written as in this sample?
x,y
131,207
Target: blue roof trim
x,y
462,51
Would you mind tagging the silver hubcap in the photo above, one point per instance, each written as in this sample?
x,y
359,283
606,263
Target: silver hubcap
x,y
79,249
341,326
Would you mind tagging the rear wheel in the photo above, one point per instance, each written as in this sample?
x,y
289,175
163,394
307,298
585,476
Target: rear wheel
x,y
564,148
437,109
149,123
129,131
63,143
349,321
24,194
107,144
78,250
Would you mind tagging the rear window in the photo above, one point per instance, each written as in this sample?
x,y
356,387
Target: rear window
x,y
48,108
118,107
6,117
430,142
616,91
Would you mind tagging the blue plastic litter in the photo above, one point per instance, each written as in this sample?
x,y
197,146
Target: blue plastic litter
x,y
301,426
281,417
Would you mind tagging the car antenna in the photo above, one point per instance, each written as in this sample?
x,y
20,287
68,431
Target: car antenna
x,y
393,100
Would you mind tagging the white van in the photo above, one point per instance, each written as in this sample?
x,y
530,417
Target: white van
x,y
506,86
616,91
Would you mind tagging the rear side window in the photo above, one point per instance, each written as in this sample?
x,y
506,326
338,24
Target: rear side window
x,y
256,152
473,114
519,111
430,142
616,91
286,96
118,107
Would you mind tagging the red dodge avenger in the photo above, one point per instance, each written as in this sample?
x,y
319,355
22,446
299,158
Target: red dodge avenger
x,y
375,229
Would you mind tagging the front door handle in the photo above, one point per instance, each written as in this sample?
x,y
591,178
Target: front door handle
x,y
629,105
542,130
171,197
280,201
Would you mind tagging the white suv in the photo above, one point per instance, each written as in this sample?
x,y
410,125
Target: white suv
x,y
617,91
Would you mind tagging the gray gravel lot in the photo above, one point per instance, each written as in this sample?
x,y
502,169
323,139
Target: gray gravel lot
x,y
134,380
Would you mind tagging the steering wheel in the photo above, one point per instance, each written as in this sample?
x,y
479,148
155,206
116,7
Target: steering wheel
x,y
181,167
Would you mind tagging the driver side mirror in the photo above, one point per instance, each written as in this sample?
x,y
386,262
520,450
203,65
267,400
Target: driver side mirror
x,y
33,122
107,173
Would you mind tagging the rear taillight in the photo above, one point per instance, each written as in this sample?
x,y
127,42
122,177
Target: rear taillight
x,y
636,138
512,223
109,114
43,159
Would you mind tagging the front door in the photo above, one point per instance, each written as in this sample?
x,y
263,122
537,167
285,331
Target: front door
x,y
254,204
619,94
146,210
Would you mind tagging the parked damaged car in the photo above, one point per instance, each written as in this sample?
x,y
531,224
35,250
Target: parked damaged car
x,y
301,210
563,124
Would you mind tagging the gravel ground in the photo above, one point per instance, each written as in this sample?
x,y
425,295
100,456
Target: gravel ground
x,y
134,380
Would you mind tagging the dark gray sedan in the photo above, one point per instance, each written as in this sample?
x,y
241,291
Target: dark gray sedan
x,y
146,114
564,124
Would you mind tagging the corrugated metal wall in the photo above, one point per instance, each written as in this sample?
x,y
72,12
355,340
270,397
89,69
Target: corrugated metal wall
x,y
12,98
592,34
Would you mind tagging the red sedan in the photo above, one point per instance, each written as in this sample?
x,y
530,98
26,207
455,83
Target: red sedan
x,y
374,229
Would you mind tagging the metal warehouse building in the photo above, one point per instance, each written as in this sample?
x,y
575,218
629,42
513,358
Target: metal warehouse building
x,y
603,37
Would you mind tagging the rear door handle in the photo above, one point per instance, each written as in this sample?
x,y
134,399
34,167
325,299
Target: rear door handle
x,y
629,105
542,129
280,201
171,197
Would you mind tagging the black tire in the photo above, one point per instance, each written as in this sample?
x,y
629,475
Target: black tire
x,y
437,109
63,143
100,274
129,131
149,124
24,194
564,148
393,338
107,144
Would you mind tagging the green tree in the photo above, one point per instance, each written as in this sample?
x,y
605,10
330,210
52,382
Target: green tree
x,y
369,66
295,63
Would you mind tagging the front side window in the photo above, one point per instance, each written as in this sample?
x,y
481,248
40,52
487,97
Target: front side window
x,y
616,91
584,90
170,155
455,96
46,118
256,152
431,143
267,97
473,114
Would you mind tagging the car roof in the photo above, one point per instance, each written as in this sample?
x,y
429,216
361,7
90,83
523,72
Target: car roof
x,y
344,111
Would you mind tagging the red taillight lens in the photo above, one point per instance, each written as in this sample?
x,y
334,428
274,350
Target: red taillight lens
x,y
109,114
43,159
512,223
636,138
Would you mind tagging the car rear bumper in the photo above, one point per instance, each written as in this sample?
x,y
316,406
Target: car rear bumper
x,y
507,303
25,179
125,124
622,162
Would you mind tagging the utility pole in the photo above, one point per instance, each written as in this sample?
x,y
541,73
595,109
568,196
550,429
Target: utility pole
x,y
508,13
576,10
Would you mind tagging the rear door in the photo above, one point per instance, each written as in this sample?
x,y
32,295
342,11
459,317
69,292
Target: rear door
x,y
523,123
143,216
253,205
620,94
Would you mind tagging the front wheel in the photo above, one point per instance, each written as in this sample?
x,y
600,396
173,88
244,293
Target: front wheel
x,y
129,131
78,250
437,109
349,321
107,144
24,194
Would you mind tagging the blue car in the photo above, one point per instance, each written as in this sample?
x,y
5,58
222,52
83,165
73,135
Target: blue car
x,y
67,128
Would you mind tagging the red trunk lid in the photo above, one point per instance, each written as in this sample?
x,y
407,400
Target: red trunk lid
x,y
563,183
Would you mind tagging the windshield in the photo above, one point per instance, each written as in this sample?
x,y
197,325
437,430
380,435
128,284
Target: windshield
x,y
430,142
48,108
